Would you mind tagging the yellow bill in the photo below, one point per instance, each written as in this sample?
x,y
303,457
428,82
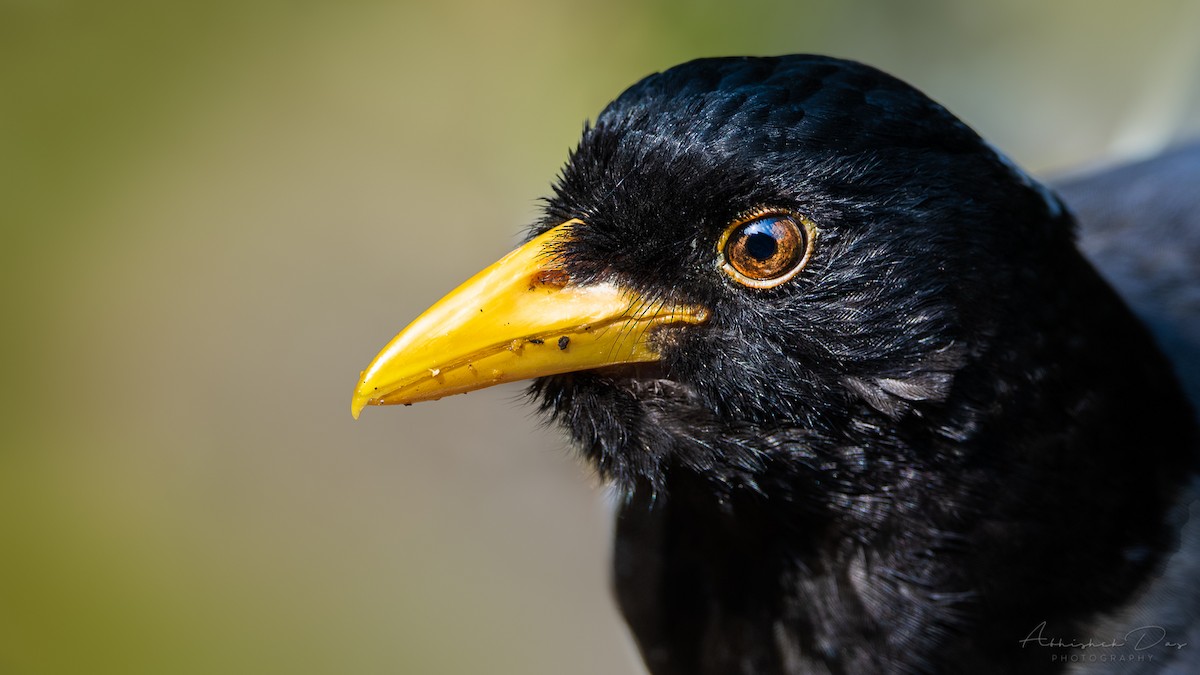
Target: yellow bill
x,y
520,318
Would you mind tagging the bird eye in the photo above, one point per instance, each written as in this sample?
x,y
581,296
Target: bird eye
x,y
766,250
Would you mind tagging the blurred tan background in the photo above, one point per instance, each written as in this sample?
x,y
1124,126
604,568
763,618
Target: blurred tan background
x,y
215,213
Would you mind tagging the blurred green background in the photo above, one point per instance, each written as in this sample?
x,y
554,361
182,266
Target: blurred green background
x,y
215,213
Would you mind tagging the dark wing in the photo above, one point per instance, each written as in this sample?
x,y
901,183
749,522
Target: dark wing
x,y
1140,226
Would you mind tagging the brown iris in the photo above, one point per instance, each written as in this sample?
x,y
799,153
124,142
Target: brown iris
x,y
766,250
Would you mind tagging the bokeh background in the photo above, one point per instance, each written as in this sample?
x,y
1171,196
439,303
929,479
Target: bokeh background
x,y
215,213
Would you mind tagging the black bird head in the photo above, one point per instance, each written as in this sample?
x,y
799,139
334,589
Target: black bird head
x,y
915,245
795,290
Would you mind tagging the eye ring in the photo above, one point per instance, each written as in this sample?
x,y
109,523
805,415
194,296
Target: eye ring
x,y
766,247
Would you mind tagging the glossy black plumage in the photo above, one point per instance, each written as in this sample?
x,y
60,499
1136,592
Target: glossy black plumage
x,y
1140,225
946,430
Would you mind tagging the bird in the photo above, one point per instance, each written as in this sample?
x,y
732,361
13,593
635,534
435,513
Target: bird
x,y
866,405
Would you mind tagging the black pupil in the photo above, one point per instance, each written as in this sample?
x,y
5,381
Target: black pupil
x,y
760,240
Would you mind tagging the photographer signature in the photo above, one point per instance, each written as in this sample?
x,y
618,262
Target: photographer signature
x,y
1140,638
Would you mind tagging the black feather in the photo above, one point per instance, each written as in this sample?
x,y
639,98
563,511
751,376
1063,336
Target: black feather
x,y
945,430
